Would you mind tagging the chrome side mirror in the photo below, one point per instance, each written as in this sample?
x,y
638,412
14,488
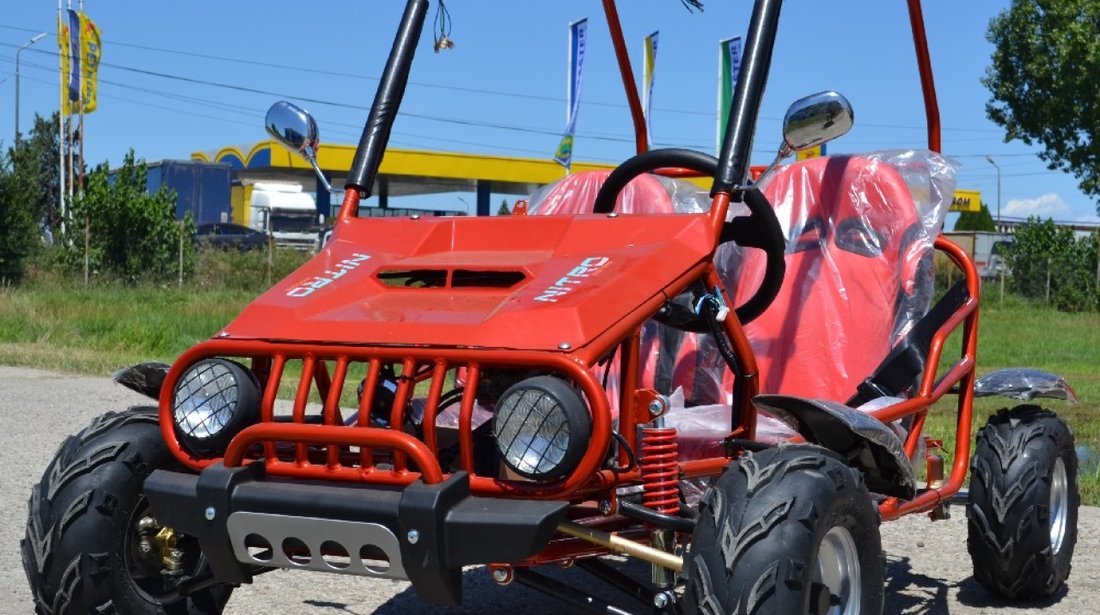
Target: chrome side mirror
x,y
811,121
295,128
815,119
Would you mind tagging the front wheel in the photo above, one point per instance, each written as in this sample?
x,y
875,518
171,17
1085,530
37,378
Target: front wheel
x,y
93,544
786,530
1022,512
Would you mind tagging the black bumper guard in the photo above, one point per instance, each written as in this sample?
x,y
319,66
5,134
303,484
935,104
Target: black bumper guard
x,y
423,533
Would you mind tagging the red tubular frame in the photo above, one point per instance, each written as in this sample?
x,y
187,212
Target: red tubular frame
x,y
324,451
586,478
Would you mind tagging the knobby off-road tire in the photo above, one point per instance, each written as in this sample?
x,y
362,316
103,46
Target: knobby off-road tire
x,y
80,549
1022,514
767,526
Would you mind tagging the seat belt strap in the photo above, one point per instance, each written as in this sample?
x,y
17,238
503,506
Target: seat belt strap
x,y
906,362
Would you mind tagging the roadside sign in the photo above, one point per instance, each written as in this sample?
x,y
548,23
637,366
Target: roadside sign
x,y
813,152
967,201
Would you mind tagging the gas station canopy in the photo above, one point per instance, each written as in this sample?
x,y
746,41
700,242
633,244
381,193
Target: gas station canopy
x,y
403,172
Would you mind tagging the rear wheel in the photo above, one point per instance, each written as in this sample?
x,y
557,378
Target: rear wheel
x,y
1022,513
92,543
786,530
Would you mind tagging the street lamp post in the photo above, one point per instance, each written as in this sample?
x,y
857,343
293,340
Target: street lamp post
x,y
990,160
34,40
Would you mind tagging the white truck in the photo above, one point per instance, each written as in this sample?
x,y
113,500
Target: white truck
x,y
285,211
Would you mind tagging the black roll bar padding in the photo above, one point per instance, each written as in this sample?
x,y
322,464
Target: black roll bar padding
x,y
387,99
733,160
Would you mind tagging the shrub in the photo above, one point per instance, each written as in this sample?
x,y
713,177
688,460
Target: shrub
x,y
130,233
1046,258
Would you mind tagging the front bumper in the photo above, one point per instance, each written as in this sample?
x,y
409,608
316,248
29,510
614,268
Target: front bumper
x,y
424,533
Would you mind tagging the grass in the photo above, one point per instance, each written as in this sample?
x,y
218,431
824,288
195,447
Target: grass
x,y
1020,334
98,329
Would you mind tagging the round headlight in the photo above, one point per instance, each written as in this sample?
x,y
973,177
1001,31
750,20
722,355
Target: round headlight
x,y
542,427
214,400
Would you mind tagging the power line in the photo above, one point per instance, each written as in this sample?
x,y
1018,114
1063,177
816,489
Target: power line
x,y
456,88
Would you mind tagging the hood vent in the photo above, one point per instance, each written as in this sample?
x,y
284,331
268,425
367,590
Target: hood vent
x,y
443,278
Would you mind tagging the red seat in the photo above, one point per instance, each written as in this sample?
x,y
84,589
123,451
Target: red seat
x,y
852,256
576,194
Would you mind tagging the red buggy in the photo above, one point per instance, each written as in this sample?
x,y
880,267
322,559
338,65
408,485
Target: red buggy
x,y
728,385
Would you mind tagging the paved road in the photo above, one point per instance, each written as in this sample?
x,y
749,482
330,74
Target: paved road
x,y
928,569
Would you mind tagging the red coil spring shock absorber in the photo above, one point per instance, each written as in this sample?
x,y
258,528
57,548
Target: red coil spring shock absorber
x,y
660,471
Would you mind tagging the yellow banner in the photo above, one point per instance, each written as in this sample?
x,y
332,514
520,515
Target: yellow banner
x,y
90,52
69,80
967,201
813,152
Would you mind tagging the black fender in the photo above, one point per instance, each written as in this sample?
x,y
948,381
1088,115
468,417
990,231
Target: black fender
x,y
145,378
1024,384
862,441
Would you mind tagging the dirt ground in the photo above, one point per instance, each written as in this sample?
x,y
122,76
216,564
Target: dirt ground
x,y
928,569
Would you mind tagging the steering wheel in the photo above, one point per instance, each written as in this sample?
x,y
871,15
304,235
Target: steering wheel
x,y
759,230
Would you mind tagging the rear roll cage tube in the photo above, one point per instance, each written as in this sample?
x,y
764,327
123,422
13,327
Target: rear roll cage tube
x,y
963,372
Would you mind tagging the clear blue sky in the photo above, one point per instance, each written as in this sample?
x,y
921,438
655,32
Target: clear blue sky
x,y
505,79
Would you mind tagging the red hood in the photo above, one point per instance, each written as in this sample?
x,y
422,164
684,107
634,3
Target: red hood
x,y
559,279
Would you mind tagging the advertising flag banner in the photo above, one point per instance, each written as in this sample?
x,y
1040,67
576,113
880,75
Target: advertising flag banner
x,y
650,60
729,66
68,42
577,40
90,52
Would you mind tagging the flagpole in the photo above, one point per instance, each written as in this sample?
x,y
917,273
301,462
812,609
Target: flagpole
x,y
718,104
80,189
60,131
69,129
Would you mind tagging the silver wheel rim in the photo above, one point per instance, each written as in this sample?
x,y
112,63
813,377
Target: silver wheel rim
x,y
1059,506
838,570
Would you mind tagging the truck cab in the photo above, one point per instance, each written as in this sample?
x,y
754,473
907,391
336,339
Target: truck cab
x,y
284,211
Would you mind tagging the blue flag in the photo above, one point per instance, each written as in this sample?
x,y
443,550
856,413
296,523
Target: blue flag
x,y
577,38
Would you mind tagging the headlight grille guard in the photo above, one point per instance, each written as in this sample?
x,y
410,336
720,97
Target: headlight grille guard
x,y
324,447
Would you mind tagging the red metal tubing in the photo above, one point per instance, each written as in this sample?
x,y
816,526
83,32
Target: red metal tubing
x,y
928,85
331,412
466,418
586,477
366,402
431,408
335,435
300,399
629,370
400,402
636,114
349,208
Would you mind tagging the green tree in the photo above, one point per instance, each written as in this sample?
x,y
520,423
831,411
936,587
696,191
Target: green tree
x,y
976,221
504,209
130,233
1043,82
17,228
28,196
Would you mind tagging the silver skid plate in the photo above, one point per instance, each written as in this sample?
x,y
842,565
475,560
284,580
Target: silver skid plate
x,y
308,543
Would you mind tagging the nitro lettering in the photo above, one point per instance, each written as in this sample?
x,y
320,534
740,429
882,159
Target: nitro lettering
x,y
306,288
572,279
